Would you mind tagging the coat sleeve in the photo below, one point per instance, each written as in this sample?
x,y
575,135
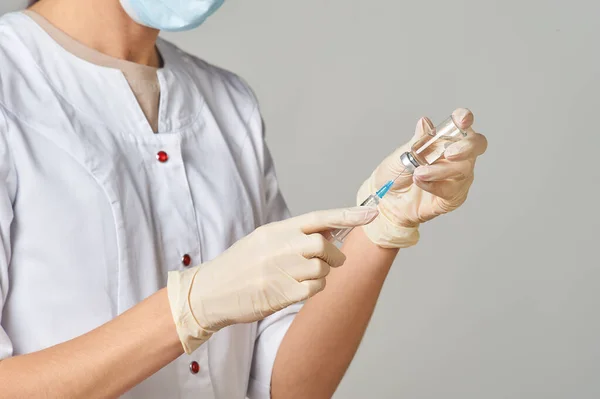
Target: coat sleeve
x,y
272,329
7,196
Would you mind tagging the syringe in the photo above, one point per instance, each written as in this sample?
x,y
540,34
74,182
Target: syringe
x,y
340,234
425,151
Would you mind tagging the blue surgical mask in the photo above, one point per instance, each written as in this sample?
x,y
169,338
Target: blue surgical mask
x,y
171,15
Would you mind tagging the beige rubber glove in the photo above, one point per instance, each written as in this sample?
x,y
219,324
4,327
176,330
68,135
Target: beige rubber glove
x,y
432,191
277,265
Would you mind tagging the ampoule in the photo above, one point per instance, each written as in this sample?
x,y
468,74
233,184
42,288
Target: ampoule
x,y
431,147
424,151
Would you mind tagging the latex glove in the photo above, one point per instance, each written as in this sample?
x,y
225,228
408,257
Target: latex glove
x,y
432,191
277,265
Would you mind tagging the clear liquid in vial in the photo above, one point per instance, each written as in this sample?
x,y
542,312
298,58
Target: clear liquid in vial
x,y
429,149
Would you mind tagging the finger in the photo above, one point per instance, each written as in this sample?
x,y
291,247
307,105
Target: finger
x,y
463,118
313,287
328,235
424,127
319,221
446,189
445,171
308,269
392,166
317,246
474,145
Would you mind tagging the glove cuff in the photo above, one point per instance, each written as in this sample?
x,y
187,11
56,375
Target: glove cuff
x,y
383,231
190,333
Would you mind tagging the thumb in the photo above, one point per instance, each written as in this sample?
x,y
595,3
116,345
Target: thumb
x,y
320,221
392,166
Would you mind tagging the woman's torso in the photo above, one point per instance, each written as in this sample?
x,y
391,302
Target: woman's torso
x,y
99,220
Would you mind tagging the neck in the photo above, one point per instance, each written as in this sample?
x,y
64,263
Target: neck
x,y
104,26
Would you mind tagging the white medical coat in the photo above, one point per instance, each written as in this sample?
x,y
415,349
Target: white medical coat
x,y
91,221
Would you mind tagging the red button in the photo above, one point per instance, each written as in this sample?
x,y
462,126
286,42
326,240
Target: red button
x,y
162,156
194,367
186,260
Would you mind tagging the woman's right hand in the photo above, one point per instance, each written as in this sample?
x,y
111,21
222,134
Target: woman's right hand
x,y
277,265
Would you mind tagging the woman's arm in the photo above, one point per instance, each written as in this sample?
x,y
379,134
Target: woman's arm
x,y
103,363
329,328
321,342
277,265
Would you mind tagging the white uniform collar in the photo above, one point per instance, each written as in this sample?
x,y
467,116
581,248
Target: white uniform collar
x,y
102,95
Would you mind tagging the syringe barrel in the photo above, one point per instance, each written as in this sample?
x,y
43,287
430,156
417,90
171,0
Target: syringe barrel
x,y
431,147
339,235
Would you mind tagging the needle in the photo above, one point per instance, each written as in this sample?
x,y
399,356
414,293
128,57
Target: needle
x,y
399,174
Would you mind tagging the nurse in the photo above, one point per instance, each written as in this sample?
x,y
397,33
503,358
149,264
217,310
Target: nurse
x,y
146,250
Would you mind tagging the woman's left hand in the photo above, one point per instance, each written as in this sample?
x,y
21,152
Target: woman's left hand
x,y
433,190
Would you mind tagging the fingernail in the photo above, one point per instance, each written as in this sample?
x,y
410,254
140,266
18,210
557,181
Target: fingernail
x,y
426,124
362,214
463,117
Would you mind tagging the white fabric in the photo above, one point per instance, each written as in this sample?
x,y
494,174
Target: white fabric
x,y
91,222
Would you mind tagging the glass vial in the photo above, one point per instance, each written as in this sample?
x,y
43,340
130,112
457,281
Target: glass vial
x,y
431,147
425,151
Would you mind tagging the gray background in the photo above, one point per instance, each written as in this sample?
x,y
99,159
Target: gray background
x,y
500,299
